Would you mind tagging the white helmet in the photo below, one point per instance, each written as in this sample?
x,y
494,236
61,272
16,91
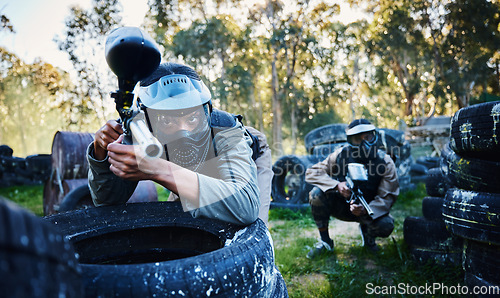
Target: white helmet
x,y
359,126
174,90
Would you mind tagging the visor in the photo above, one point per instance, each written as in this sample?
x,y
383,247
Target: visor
x,y
359,129
174,92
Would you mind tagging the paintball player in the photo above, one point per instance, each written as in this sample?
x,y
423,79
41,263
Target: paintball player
x,y
330,193
207,162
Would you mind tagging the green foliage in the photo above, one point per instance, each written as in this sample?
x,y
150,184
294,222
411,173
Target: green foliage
x,y
287,67
88,102
472,23
28,98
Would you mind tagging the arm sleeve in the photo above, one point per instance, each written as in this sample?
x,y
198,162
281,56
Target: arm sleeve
x,y
388,190
320,174
233,196
105,187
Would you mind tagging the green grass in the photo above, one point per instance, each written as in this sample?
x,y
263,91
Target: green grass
x,y
29,197
345,272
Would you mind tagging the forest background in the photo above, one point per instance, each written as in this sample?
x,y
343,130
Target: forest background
x,y
286,66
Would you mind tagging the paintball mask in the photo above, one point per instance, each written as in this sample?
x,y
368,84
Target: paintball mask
x,y
365,149
178,111
185,133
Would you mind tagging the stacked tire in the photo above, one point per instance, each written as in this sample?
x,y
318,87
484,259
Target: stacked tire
x,y
32,170
471,208
464,199
36,260
289,189
427,237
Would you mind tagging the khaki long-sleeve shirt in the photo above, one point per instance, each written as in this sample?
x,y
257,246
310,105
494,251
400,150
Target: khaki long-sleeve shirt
x,y
320,175
232,196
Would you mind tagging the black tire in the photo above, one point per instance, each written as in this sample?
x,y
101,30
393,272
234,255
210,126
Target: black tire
x,y
418,169
322,151
35,258
13,164
393,143
432,208
489,289
156,249
6,151
331,133
392,137
475,131
80,197
40,165
419,232
429,242
471,173
418,178
473,215
483,260
436,183
433,256
288,184
428,161
73,199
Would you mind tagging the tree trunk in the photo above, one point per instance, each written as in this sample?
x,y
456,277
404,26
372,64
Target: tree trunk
x,y
464,96
294,128
21,121
463,100
409,103
402,77
260,115
498,76
354,87
277,117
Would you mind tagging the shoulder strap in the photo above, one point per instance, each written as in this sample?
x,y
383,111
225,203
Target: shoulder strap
x,y
222,119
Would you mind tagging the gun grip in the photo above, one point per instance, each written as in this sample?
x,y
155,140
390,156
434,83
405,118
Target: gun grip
x,y
127,140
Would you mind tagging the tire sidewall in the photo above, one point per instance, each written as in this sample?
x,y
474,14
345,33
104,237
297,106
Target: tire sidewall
x,y
243,267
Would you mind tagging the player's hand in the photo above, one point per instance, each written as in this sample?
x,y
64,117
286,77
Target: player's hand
x,y
106,135
357,209
343,189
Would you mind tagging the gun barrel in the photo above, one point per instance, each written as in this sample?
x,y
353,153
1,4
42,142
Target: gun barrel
x,y
357,195
149,144
367,207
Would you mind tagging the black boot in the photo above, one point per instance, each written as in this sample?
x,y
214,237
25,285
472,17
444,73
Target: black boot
x,y
368,240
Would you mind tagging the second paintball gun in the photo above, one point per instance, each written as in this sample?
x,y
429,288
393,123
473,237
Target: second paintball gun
x,y
357,174
132,55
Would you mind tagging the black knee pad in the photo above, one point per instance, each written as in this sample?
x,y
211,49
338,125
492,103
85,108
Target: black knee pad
x,y
385,226
316,197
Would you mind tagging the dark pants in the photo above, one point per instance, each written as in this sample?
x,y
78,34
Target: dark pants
x,y
331,203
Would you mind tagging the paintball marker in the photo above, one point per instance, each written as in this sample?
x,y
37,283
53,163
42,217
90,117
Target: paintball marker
x,y
356,174
132,55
